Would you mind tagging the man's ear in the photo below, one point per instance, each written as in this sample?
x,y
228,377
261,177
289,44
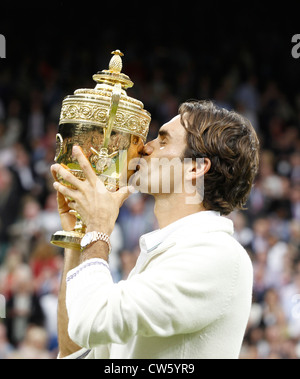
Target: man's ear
x,y
195,171
197,168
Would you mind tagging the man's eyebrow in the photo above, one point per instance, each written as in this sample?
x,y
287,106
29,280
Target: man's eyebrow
x,y
164,133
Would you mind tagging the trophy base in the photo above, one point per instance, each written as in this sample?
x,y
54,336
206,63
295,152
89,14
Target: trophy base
x,y
67,240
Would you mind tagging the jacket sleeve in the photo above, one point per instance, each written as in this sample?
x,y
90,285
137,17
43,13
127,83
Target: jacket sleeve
x,y
172,296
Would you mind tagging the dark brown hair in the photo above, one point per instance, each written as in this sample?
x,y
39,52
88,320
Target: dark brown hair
x,y
230,142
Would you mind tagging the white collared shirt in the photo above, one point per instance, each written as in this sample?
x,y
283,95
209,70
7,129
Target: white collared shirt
x,y
151,240
189,296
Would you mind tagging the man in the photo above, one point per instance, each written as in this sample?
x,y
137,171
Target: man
x,y
189,295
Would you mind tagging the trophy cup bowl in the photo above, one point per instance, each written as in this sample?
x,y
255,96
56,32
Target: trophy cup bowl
x,y
109,126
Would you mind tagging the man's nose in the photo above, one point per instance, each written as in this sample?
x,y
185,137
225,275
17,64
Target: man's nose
x,y
148,149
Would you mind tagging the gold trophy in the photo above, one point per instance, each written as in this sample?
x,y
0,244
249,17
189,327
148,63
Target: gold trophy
x,y
110,128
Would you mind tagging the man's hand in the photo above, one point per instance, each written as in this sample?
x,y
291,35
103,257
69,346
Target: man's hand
x,y
98,207
67,219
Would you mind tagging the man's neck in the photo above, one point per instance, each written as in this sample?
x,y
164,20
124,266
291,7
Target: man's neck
x,y
172,207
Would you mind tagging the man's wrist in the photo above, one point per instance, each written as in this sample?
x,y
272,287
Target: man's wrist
x,y
98,249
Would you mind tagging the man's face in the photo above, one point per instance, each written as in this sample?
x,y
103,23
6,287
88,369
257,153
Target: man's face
x,y
161,166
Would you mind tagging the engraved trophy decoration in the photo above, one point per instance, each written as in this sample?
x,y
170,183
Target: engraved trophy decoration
x,y
109,126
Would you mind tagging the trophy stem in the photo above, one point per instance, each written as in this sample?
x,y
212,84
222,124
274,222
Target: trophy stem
x,y
72,239
79,226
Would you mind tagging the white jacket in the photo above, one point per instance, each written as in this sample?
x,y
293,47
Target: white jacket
x,y
189,296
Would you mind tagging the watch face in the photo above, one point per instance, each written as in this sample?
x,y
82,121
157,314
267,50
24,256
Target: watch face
x,y
87,238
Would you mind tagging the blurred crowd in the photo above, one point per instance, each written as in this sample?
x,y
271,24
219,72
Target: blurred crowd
x,y
31,93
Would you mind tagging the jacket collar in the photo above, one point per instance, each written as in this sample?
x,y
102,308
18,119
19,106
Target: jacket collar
x,y
205,221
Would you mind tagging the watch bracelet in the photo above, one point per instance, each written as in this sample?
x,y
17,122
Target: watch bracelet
x,y
100,237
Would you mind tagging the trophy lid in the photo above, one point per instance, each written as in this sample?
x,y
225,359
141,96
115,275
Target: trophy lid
x,y
91,106
113,75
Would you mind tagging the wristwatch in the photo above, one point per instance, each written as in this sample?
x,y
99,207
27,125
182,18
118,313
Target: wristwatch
x,y
92,237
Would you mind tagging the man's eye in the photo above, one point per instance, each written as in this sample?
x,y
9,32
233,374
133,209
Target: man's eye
x,y
162,142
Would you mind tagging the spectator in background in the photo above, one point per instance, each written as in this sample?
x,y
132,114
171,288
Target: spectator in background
x,y
21,166
6,347
45,265
49,306
49,219
290,300
14,125
248,97
23,306
295,167
242,232
36,120
9,207
128,260
28,229
135,219
295,201
34,345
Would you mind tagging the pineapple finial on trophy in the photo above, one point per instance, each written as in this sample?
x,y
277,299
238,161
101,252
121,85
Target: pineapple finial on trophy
x,y
115,64
113,75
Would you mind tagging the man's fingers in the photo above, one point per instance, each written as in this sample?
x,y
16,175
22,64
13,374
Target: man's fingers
x,y
62,203
59,170
53,172
84,164
65,191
